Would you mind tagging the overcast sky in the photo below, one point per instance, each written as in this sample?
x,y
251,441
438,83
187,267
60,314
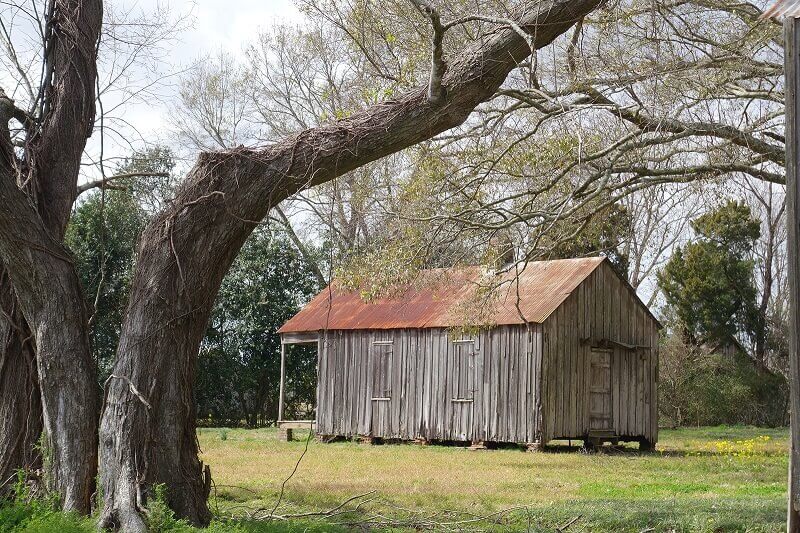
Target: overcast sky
x,y
212,26
223,24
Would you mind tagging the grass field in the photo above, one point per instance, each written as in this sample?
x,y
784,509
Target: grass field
x,y
704,479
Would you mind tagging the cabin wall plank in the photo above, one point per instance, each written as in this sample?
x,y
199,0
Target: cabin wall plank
x,y
427,369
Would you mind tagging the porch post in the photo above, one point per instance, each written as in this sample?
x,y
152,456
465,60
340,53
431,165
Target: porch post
x,y
283,380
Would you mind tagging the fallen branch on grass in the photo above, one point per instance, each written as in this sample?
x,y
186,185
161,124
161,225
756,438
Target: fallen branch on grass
x,y
568,524
378,520
251,491
339,509
439,520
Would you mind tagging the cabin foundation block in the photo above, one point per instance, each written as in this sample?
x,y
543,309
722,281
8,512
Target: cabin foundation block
x,y
366,439
534,447
477,445
285,434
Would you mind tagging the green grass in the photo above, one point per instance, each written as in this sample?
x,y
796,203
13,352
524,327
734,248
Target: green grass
x,y
703,479
700,479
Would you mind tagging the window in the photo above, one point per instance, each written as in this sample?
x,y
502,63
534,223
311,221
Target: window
x,y
382,352
464,369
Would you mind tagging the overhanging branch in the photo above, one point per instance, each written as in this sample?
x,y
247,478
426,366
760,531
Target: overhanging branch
x,y
105,183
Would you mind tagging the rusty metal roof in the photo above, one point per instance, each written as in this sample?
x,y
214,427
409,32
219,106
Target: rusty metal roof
x,y
530,296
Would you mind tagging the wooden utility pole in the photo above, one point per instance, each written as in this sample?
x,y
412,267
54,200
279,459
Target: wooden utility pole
x,y
792,61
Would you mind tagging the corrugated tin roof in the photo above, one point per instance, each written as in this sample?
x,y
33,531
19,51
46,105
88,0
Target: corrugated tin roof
x,y
530,296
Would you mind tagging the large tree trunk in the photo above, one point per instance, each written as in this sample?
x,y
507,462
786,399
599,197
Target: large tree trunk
x,y
41,273
792,62
147,434
51,300
20,406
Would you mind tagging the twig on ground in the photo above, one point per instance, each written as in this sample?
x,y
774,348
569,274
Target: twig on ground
x,y
237,487
254,515
568,524
428,523
294,471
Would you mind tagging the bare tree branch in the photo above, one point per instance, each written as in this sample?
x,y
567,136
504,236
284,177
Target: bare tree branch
x,y
104,183
287,224
436,92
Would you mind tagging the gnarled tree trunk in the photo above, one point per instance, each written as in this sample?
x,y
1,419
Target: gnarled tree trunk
x,y
147,433
41,273
51,300
20,404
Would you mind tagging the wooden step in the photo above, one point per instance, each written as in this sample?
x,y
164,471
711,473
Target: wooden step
x,y
602,434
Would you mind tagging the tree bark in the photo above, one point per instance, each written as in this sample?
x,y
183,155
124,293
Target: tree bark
x,y
52,302
766,297
792,58
41,274
147,433
20,405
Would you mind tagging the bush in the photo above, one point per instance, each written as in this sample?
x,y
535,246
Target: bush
x,y
25,514
708,387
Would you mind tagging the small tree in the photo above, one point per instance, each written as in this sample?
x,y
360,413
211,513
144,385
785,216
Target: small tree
x,y
605,231
102,236
699,385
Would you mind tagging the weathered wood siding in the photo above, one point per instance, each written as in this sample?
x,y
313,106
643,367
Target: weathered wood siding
x,y
426,384
602,307
507,384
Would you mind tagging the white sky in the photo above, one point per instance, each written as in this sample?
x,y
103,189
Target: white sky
x,y
222,24
214,26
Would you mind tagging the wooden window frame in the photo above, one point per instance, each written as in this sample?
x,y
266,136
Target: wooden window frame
x,y
383,358
471,357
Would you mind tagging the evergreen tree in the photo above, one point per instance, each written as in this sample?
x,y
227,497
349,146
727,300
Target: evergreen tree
x,y
709,283
102,236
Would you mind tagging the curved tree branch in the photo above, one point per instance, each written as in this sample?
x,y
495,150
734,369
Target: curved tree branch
x,y
106,183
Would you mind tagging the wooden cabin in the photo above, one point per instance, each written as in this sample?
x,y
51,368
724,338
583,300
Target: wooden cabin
x,y
568,352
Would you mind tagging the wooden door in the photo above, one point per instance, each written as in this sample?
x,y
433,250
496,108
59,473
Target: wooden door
x,y
381,400
463,388
600,391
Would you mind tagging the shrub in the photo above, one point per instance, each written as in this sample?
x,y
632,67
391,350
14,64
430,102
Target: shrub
x,y
24,513
701,386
